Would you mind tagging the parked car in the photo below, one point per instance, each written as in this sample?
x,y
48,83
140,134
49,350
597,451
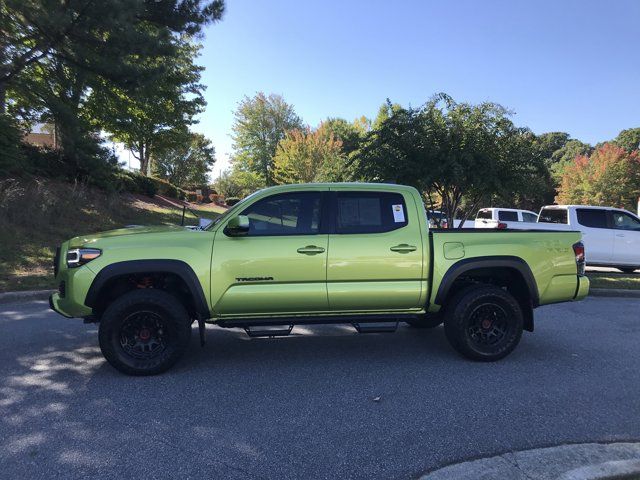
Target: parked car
x,y
359,254
611,235
505,218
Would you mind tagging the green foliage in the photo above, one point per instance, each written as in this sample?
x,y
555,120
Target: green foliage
x,y
610,176
236,182
187,163
453,151
628,139
260,123
231,201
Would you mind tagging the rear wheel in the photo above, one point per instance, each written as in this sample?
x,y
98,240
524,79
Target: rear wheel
x,y
483,323
627,269
144,332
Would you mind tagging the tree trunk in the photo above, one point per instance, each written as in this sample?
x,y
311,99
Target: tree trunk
x,y
3,97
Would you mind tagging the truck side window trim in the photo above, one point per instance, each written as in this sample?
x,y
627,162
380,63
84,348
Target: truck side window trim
x,y
356,212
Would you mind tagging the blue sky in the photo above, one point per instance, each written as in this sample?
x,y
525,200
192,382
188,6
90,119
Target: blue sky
x,y
572,66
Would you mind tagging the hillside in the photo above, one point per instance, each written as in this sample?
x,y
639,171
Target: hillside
x,y
38,214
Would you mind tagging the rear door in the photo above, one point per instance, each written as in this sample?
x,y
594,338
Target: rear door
x,y
626,248
375,255
596,234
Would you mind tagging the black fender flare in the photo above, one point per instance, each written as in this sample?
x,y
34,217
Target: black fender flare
x,y
176,267
497,261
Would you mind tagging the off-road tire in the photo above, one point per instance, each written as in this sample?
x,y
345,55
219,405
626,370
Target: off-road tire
x,y
483,322
161,338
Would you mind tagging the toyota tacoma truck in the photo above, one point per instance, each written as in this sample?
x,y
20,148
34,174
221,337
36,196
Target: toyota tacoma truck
x,y
359,254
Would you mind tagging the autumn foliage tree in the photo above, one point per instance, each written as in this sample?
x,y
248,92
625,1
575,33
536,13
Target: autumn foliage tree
x,y
609,176
308,155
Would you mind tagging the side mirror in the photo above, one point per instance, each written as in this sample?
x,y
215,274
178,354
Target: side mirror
x,y
237,226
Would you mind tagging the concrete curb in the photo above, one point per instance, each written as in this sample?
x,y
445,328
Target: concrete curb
x,y
614,292
586,461
25,296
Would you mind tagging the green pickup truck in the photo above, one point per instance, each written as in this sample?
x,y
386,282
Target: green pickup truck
x,y
359,254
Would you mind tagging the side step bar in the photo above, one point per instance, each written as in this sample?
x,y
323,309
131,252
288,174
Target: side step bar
x,y
388,327
254,332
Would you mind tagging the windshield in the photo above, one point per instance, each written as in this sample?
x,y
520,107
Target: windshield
x,y
231,210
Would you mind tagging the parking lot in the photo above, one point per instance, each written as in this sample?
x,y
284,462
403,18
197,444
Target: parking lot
x,y
323,403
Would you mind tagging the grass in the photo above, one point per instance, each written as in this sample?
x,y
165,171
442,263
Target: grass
x,y
614,280
36,215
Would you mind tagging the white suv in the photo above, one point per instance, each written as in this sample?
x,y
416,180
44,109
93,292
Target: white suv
x,y
611,235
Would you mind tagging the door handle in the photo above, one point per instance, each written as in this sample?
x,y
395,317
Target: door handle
x,y
619,234
403,248
310,250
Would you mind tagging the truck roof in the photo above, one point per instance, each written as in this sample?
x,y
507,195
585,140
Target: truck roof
x,y
339,186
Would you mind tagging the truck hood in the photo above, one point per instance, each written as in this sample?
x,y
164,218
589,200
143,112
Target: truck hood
x,y
134,230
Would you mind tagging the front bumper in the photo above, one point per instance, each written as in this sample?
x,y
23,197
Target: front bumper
x,y
74,284
583,287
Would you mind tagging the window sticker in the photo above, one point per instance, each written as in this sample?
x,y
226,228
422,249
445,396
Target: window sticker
x,y
398,213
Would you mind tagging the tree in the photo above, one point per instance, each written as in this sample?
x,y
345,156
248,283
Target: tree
x,y
235,182
305,156
90,37
187,163
156,115
610,176
565,156
628,139
260,123
460,153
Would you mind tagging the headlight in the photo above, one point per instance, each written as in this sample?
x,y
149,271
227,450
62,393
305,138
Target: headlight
x,y
79,256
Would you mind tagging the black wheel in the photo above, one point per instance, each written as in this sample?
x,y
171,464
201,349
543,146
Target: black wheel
x,y
627,269
425,321
483,323
144,332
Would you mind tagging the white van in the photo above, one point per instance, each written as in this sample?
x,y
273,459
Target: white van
x,y
611,235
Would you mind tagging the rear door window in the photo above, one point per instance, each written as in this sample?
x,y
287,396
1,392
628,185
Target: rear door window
x,y
484,215
506,216
529,217
369,212
591,217
553,215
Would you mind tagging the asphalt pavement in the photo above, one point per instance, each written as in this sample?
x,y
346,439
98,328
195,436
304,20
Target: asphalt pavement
x,y
325,402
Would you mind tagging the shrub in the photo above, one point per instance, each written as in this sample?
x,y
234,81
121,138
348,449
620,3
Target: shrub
x,y
231,201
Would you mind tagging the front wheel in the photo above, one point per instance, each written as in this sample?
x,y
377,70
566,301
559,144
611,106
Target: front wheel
x,y
483,323
144,332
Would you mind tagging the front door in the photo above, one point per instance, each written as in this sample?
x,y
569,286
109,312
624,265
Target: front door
x,y
375,256
626,247
279,266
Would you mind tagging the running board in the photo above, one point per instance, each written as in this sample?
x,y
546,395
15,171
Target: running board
x,y
254,332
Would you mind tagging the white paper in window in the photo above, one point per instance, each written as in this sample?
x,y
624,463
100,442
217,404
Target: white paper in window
x,y
398,213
